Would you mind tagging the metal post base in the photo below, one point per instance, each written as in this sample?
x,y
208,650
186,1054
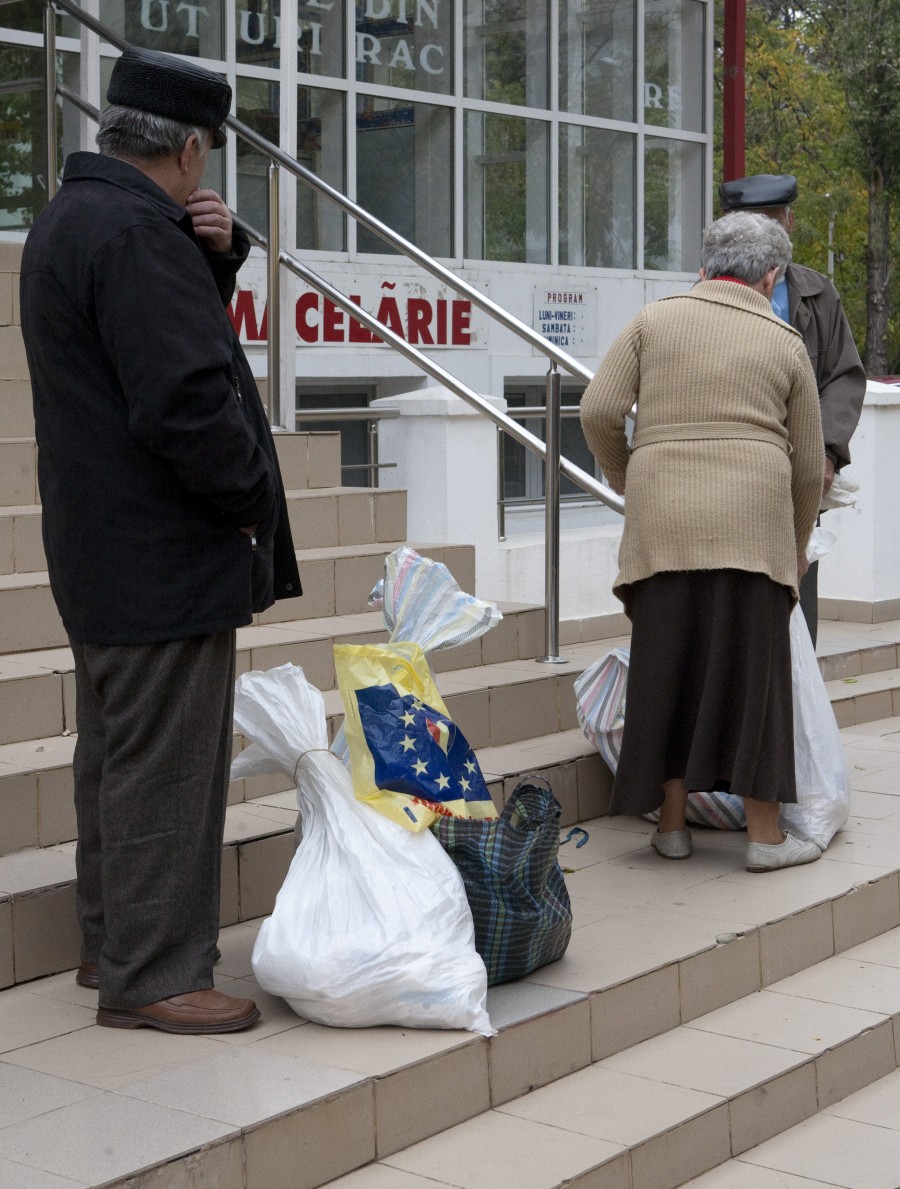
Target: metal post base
x,y
550,660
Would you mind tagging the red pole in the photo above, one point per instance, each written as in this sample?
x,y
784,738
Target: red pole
x,y
733,165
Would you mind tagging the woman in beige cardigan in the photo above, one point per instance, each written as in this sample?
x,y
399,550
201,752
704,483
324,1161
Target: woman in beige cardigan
x,y
722,485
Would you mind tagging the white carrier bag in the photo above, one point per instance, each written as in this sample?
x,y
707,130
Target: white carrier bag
x,y
372,925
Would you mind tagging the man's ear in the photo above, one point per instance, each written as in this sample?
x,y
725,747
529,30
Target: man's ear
x,y
702,274
189,150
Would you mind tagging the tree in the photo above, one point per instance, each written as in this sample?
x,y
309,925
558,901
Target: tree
x,y
823,103
862,47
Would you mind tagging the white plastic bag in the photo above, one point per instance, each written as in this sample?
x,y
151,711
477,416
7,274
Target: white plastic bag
x,y
372,925
823,779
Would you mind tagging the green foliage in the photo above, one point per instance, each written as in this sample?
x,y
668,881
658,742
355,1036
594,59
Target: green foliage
x,y
823,103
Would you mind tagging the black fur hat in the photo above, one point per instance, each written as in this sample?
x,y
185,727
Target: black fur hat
x,y
172,87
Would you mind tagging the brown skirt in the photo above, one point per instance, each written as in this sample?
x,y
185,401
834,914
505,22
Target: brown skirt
x,y
709,689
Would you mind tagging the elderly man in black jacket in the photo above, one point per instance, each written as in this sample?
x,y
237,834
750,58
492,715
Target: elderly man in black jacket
x,y
165,528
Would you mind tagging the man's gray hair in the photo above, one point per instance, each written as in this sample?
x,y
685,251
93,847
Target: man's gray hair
x,y
131,134
745,246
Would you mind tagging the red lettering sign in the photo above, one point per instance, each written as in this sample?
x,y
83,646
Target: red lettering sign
x,y
243,316
420,321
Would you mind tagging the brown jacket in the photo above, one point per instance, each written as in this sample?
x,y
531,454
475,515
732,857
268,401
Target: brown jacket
x,y
817,313
726,466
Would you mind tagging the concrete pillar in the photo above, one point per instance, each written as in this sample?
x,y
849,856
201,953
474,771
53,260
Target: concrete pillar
x,y
446,456
859,580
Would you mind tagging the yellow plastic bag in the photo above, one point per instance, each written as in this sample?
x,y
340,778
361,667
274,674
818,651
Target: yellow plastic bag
x,y
407,758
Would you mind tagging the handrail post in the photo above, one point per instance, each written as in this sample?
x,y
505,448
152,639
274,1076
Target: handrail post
x,y
273,279
50,94
551,533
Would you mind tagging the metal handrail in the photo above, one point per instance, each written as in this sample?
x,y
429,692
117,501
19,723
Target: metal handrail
x,y
278,258
361,414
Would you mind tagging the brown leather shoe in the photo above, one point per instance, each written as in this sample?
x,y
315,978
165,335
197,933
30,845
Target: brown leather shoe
x,y
193,1013
88,975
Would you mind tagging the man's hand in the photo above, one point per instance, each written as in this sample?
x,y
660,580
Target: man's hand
x,y
249,530
211,219
802,567
829,476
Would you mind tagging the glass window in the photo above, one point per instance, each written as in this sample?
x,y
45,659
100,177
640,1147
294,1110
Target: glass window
x,y
506,51
506,188
596,197
320,147
673,204
173,26
320,48
23,14
23,135
523,472
405,43
257,106
257,30
404,172
596,58
673,64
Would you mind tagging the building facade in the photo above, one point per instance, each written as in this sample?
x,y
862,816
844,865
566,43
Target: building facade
x,y
556,153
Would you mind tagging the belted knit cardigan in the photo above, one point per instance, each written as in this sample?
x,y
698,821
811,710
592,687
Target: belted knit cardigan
x,y
727,460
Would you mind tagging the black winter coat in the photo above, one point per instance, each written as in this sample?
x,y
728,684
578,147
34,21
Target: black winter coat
x,y
153,445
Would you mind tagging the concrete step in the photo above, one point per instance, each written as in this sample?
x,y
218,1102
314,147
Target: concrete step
x,y
872,695
336,580
698,1011
37,884
308,462
16,415
670,1108
321,518
498,696
21,545
37,686
511,703
18,471
852,1143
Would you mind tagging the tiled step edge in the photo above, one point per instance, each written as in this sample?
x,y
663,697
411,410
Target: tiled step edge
x,y
866,698
547,1043
703,1118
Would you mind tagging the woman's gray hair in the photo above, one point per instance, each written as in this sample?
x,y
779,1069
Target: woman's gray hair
x,y
745,246
131,134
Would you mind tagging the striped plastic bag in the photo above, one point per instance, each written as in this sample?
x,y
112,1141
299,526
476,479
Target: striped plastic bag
x,y
423,604
600,704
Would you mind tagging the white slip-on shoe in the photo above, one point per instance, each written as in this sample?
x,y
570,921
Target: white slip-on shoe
x,y
673,844
770,856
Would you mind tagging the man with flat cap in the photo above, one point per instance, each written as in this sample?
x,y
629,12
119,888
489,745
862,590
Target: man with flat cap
x,y
808,301
165,528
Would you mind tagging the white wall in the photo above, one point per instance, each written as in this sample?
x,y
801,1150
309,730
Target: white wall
x,y
864,565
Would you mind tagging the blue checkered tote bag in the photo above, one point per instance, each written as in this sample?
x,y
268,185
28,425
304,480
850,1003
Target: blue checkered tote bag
x,y
515,886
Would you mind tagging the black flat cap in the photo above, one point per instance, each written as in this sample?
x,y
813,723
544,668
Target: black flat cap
x,y
172,87
758,191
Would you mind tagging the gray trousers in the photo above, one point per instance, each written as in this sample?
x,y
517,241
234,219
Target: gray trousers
x,y
151,778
